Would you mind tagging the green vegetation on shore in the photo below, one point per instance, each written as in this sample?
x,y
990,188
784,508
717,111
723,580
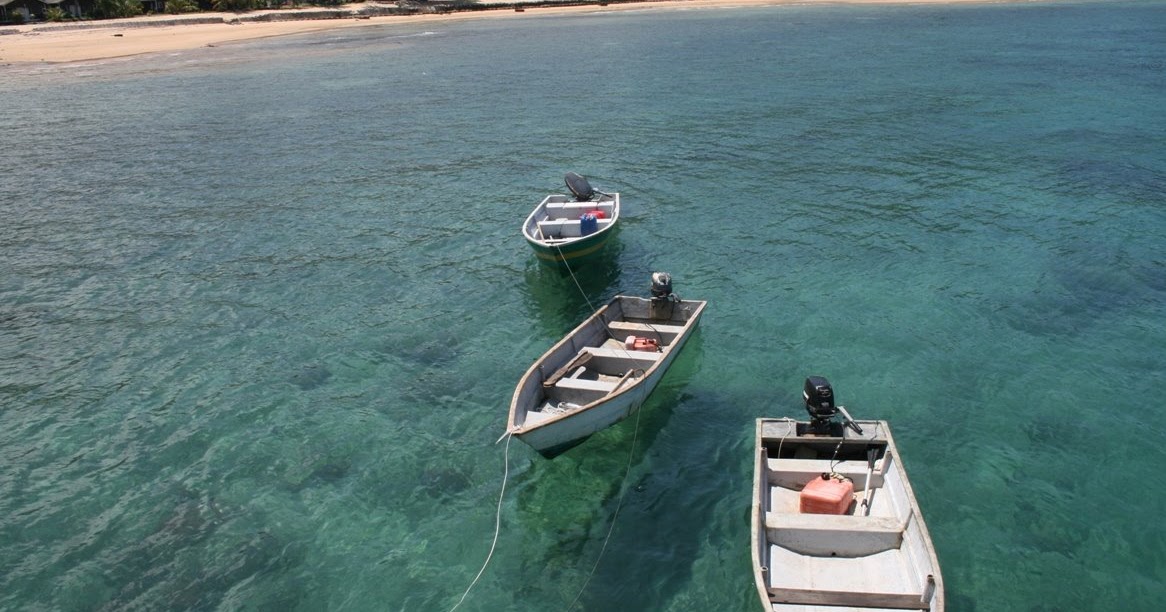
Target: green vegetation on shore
x,y
102,10
21,11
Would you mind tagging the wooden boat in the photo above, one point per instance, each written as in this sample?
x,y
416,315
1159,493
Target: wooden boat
x,y
835,523
603,370
563,229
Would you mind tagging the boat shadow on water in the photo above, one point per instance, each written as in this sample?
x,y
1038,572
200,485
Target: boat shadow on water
x,y
580,490
554,300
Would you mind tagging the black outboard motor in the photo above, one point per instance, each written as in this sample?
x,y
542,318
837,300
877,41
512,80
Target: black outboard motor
x,y
579,187
819,398
662,306
661,286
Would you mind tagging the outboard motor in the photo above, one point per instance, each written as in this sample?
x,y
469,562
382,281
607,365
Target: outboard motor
x,y
819,397
579,187
661,285
662,306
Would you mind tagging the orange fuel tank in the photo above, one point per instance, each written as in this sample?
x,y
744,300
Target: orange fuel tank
x,y
633,343
826,495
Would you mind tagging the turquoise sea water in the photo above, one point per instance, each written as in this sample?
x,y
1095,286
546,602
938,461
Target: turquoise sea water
x,y
262,306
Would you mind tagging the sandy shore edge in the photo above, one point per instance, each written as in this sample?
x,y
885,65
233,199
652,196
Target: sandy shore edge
x,y
98,40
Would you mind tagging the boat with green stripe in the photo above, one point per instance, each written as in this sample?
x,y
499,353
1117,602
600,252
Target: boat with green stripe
x,y
564,229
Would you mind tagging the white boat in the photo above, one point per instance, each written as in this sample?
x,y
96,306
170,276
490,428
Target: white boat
x,y
564,229
603,370
835,523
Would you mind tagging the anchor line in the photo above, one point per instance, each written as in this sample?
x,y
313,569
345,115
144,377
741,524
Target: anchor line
x,y
497,519
618,505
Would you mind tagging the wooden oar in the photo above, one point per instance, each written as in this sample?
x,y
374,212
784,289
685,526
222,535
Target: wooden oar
x,y
580,359
621,381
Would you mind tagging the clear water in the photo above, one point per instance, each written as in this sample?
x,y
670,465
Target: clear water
x,y
262,306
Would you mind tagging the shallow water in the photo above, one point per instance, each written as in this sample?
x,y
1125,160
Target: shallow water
x,y
263,306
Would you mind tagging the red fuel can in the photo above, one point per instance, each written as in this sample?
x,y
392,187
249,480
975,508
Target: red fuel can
x,y
633,343
826,496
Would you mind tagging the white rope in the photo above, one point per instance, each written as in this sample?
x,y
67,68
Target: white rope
x,y
572,273
584,293
790,427
497,519
627,471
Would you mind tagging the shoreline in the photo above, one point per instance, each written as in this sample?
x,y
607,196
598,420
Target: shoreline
x,y
57,43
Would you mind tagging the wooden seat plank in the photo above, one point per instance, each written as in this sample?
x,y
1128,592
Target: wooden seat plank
x,y
599,351
645,327
584,384
899,601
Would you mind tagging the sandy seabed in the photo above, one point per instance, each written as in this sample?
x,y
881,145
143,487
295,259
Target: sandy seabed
x,y
156,34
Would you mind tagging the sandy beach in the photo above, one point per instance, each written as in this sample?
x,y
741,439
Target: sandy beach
x,y
96,40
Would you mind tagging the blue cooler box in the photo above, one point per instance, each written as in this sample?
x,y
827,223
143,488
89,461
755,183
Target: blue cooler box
x,y
588,224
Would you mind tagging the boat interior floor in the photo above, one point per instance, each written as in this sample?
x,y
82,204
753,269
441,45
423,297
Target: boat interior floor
x,y
849,556
882,574
603,370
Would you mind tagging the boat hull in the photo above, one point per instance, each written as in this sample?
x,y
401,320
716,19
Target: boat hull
x,y
539,422
576,428
876,555
571,253
556,233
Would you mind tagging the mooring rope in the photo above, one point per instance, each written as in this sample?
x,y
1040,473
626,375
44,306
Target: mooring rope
x,y
791,427
572,273
618,505
631,451
506,476
497,518
583,293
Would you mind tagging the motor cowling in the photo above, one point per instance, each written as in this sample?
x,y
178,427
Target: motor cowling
x,y
661,285
579,187
819,397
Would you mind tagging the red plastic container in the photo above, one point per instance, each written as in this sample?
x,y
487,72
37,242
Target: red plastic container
x,y
826,496
633,343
